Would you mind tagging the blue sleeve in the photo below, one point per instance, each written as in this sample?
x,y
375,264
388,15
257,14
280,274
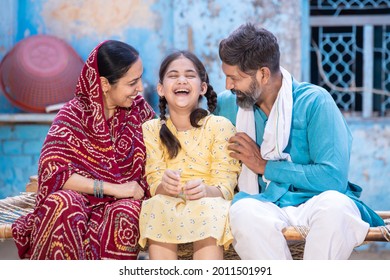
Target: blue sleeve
x,y
226,106
323,164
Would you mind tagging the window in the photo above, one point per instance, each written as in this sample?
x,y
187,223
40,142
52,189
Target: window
x,y
350,54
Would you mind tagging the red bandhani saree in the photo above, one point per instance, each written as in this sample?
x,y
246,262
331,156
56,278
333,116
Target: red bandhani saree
x,y
66,224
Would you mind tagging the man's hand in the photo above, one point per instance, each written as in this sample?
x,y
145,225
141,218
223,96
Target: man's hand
x,y
247,151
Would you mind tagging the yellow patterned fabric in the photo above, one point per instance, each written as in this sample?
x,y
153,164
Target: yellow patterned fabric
x,y
203,155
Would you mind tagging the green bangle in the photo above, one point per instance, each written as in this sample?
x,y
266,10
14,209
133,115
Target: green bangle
x,y
95,185
98,188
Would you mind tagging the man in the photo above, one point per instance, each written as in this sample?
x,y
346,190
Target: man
x,y
295,146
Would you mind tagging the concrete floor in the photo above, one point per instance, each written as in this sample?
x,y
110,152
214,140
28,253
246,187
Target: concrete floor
x,y
8,250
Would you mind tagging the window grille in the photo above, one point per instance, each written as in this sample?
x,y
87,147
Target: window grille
x,y
350,54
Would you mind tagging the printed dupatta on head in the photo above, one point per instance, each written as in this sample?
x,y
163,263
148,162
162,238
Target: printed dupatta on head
x,y
81,140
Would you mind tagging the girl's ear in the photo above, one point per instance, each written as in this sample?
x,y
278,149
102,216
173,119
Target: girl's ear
x,y
203,88
105,84
160,90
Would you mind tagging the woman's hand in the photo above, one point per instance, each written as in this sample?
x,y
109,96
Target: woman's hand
x,y
86,185
128,190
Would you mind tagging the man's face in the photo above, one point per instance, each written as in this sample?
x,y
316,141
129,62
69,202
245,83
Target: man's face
x,y
244,86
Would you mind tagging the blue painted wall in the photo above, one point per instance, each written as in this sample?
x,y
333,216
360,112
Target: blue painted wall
x,y
19,155
154,27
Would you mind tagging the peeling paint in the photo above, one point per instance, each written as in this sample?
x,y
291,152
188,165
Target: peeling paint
x,y
190,39
213,20
74,18
7,26
214,8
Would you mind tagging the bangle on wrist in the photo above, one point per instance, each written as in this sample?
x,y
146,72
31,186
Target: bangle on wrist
x,y
98,188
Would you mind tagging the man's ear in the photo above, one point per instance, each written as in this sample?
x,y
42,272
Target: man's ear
x,y
160,90
105,84
263,75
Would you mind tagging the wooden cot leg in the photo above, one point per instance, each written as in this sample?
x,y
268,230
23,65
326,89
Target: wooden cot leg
x,y
5,231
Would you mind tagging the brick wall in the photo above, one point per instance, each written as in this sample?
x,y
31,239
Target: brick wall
x,y
20,146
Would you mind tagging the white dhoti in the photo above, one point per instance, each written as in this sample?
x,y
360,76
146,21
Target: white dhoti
x,y
334,220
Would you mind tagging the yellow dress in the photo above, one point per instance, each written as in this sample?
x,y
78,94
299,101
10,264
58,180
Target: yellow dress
x,y
203,155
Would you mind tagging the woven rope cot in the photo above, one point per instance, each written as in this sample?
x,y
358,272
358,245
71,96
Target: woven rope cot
x,y
13,207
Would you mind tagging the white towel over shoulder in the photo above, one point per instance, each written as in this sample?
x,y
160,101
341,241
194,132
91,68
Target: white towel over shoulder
x,y
276,134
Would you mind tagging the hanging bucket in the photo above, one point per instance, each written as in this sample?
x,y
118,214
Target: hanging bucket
x,y
40,71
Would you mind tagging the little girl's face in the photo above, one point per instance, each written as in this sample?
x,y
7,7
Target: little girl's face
x,y
182,85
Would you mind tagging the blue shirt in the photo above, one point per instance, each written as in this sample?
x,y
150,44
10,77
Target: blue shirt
x,y
319,145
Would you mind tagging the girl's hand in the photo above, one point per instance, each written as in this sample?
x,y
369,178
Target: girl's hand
x,y
195,189
170,182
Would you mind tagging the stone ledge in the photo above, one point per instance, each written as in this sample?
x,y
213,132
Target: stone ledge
x,y
26,118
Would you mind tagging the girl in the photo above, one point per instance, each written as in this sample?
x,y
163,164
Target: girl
x,y
189,170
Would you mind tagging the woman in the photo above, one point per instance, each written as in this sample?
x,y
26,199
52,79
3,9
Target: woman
x,y
91,169
191,175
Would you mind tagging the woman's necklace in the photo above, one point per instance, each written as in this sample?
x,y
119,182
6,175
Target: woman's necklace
x,y
112,130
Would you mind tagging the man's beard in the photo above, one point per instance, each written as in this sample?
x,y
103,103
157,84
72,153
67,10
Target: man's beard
x,y
246,99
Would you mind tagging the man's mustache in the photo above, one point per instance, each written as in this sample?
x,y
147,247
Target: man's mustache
x,y
235,92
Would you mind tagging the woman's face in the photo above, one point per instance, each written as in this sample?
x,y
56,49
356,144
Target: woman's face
x,y
182,85
123,92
